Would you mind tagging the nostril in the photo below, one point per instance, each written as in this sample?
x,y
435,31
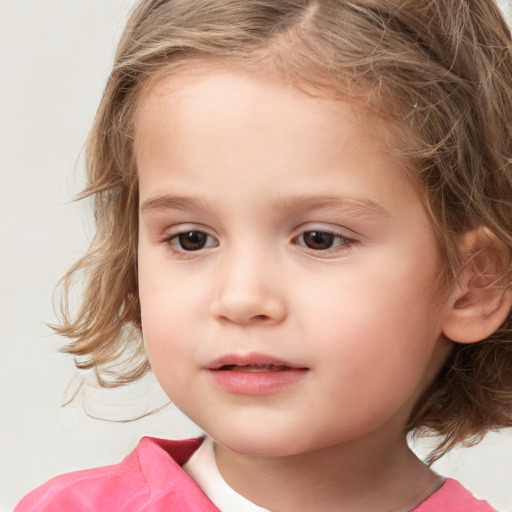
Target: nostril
x,y
249,308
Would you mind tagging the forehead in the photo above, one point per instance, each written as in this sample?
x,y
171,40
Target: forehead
x,y
225,89
206,112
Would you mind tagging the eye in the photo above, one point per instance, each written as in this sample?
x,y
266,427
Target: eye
x,y
192,241
322,240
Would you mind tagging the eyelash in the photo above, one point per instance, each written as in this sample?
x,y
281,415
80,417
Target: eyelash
x,y
344,241
174,243
176,246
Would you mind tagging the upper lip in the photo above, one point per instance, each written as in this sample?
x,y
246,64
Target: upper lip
x,y
248,359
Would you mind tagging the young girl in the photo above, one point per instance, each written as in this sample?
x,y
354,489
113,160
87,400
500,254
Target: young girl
x,y
304,221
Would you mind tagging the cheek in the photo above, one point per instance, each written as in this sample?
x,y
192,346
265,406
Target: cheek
x,y
379,299
166,320
377,327
166,325
165,333
169,297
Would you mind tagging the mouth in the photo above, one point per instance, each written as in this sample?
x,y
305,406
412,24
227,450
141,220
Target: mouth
x,y
254,374
255,368
252,362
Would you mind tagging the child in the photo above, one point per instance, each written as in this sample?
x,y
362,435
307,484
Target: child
x,y
304,211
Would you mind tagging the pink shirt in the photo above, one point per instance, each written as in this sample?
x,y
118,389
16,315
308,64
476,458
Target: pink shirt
x,y
151,479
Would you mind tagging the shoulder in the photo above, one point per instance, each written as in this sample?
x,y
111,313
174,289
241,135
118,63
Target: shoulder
x,y
453,497
146,480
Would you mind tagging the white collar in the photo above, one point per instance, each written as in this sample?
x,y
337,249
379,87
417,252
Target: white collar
x,y
203,469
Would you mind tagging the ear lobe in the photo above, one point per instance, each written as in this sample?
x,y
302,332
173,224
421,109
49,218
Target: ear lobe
x,y
482,297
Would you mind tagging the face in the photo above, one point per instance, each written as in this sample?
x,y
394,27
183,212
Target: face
x,y
286,264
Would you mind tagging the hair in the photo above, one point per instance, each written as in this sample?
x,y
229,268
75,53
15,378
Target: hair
x,y
440,72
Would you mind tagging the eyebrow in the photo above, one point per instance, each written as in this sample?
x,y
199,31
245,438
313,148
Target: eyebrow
x,y
172,202
352,205
338,203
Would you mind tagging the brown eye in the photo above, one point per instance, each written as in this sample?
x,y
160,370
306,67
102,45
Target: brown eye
x,y
318,240
324,241
192,240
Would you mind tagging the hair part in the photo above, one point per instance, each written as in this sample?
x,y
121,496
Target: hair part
x,y
440,73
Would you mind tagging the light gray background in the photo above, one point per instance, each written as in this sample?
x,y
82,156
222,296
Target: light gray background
x,y
54,59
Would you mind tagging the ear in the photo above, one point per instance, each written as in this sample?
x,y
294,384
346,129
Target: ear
x,y
482,297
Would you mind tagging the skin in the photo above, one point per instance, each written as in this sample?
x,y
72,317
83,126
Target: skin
x,y
253,166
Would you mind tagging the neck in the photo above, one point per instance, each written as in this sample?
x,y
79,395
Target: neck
x,y
361,477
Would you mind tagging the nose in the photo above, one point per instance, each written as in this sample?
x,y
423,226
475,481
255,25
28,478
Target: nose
x,y
249,291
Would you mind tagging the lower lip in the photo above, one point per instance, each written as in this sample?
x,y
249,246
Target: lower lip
x,y
256,383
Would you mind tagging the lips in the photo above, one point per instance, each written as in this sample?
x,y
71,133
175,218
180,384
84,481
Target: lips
x,y
255,368
248,361
254,374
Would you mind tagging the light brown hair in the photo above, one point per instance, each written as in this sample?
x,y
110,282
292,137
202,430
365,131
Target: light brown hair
x,y
439,71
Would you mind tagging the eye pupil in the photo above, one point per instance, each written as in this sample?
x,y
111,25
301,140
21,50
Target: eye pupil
x,y
192,241
318,240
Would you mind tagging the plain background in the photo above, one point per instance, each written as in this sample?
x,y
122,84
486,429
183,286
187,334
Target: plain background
x,y
55,56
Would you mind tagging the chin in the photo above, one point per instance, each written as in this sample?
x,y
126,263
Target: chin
x,y
265,444
254,444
